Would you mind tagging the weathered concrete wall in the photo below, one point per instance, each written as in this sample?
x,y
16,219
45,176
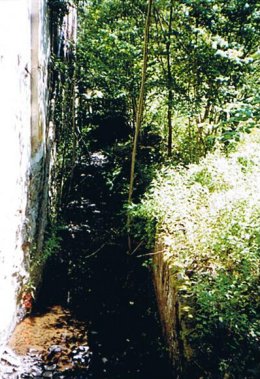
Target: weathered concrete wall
x,y
24,54
27,143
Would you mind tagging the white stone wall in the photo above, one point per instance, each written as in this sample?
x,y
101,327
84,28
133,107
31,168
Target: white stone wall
x,y
24,53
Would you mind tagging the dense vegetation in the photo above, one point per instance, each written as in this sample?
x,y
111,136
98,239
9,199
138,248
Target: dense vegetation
x,y
202,61
207,217
201,84
200,98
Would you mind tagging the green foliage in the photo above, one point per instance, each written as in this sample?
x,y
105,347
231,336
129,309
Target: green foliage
x,y
39,257
52,242
65,120
207,216
109,48
213,51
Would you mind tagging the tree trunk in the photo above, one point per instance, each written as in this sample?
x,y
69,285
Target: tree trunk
x,y
139,113
169,81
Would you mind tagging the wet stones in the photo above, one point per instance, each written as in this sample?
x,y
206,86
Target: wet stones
x,y
49,344
36,365
9,364
48,374
55,349
50,367
54,353
81,356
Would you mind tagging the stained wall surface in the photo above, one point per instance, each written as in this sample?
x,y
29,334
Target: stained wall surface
x,y
24,55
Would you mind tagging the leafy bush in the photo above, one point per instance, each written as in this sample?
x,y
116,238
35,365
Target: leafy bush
x,y
52,242
208,218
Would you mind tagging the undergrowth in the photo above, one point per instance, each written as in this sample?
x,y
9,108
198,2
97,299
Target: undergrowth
x,y
208,218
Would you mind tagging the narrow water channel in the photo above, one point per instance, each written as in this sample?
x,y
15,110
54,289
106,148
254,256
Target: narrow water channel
x,y
97,301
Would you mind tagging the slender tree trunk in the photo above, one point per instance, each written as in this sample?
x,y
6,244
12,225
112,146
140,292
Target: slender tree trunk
x,y
169,119
73,131
169,80
133,111
139,113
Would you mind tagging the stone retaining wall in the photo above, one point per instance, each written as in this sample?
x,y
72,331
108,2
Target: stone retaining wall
x,y
170,305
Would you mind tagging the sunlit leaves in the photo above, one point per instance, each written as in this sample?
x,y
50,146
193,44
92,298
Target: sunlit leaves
x,y
207,218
